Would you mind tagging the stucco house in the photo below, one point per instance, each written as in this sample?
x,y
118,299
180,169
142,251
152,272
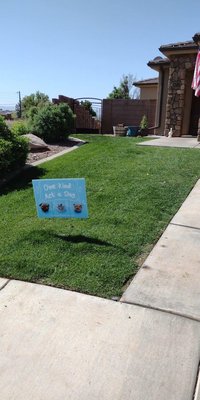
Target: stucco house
x,y
177,106
148,88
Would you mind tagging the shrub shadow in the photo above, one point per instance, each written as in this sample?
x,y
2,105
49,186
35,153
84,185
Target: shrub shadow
x,y
21,180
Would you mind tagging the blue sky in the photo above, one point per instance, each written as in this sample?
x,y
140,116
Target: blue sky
x,y
82,48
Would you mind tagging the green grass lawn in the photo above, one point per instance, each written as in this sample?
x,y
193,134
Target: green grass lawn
x,y
132,191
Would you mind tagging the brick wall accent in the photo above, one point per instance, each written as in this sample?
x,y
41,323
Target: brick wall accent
x,y
83,118
127,112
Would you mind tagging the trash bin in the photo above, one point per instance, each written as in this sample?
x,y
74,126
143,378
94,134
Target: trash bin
x,y
132,131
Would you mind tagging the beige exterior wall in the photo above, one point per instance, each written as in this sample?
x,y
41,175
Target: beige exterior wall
x,y
148,93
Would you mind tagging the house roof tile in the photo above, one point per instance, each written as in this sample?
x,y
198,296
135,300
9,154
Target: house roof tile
x,y
151,81
188,45
159,60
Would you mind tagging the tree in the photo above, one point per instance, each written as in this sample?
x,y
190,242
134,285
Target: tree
x,y
125,89
88,105
34,100
122,91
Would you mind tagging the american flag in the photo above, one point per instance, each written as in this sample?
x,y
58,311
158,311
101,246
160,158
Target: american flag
x,y
196,77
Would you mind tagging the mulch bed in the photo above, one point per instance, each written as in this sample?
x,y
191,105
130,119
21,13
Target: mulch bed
x,y
53,149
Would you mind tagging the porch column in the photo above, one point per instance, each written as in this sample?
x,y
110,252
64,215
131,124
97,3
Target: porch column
x,y
198,132
175,98
196,39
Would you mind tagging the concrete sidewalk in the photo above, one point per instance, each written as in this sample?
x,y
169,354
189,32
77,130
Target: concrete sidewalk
x,y
164,141
56,344
169,279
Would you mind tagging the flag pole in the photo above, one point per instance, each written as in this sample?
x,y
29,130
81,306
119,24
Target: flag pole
x,y
196,77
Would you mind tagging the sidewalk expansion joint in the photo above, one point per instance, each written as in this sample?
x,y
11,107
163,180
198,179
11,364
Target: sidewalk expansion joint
x,y
5,284
185,226
161,310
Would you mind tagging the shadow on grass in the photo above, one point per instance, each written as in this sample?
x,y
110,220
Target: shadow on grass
x,y
22,180
74,239
41,237
82,239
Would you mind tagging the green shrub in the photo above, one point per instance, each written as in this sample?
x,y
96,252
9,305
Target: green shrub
x,y
19,151
13,149
52,123
5,132
31,114
20,128
144,122
5,155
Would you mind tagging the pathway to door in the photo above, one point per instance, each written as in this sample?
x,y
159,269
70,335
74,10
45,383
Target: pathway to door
x,y
163,141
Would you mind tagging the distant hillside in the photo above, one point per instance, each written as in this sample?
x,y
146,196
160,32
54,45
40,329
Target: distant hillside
x,y
7,108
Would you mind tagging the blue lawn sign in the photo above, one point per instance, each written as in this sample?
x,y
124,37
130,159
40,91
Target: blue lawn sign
x,y
60,198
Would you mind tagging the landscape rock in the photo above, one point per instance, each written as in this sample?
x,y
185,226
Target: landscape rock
x,y
35,143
